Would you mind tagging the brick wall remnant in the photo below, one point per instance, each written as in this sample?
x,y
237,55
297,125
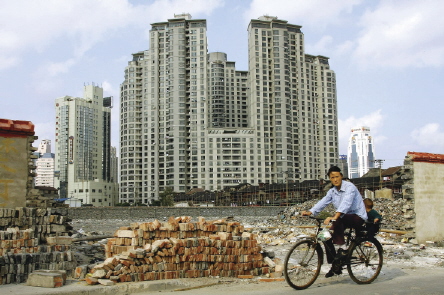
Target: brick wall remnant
x,y
424,190
16,165
43,197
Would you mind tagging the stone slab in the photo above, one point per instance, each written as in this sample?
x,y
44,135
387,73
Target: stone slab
x,y
45,280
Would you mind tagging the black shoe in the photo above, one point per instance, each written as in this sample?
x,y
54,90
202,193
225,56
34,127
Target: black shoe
x,y
332,273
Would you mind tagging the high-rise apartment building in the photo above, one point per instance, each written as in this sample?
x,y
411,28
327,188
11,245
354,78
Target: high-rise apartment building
x,y
44,165
114,173
360,152
292,102
189,119
83,148
343,165
44,147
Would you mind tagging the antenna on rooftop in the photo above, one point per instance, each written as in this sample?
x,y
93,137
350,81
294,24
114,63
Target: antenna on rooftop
x,y
379,163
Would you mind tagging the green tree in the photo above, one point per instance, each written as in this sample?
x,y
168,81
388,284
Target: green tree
x,y
166,198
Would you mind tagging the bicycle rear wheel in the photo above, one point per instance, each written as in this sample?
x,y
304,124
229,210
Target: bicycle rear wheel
x,y
303,264
365,261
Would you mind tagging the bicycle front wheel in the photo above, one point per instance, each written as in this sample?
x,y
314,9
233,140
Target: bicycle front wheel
x,y
303,264
365,261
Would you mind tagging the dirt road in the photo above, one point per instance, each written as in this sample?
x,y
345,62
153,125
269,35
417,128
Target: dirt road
x,y
393,280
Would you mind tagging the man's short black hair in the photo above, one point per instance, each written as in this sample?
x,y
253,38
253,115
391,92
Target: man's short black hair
x,y
334,169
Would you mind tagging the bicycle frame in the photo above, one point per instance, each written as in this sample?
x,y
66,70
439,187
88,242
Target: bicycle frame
x,y
304,260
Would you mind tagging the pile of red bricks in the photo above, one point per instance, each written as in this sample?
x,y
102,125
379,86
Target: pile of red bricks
x,y
22,229
33,239
180,248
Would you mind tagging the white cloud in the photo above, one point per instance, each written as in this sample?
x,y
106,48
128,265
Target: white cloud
x,y
107,87
55,69
123,58
36,25
318,13
165,9
429,136
402,34
373,120
8,62
322,46
391,33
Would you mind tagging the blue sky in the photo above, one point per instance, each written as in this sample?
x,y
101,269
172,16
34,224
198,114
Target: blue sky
x,y
388,56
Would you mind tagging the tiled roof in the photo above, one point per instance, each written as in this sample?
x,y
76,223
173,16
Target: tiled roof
x,y
426,157
390,171
16,126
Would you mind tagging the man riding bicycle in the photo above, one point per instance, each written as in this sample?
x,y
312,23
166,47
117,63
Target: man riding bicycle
x,y
350,212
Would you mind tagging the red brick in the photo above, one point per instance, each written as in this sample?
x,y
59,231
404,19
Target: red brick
x,y
91,281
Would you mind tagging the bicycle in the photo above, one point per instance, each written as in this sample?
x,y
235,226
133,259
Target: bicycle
x,y
303,262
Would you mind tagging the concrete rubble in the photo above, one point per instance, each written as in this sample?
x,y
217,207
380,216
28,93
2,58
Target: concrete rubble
x,y
241,247
277,234
400,246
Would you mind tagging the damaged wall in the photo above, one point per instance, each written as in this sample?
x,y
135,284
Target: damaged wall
x,y
16,138
425,190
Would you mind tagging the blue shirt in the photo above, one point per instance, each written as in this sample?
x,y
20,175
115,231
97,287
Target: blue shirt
x,y
347,200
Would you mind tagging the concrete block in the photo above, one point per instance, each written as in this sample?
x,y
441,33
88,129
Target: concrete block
x,y
46,280
61,272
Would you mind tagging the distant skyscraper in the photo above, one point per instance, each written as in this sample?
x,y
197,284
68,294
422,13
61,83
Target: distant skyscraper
x,y
189,119
83,147
114,165
360,152
343,165
44,146
44,165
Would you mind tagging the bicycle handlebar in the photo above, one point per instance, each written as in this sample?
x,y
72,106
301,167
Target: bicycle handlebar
x,y
318,220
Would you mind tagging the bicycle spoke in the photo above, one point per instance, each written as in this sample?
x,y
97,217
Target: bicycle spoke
x,y
302,265
365,262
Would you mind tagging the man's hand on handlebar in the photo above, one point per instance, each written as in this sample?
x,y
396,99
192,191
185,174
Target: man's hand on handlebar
x,y
328,220
306,213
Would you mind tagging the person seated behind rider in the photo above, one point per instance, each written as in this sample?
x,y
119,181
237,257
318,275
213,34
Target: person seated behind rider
x,y
374,218
350,212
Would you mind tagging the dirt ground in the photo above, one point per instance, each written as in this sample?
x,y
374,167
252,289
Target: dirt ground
x,y
277,236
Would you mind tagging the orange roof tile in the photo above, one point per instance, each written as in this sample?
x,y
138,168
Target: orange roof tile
x,y
426,157
16,126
